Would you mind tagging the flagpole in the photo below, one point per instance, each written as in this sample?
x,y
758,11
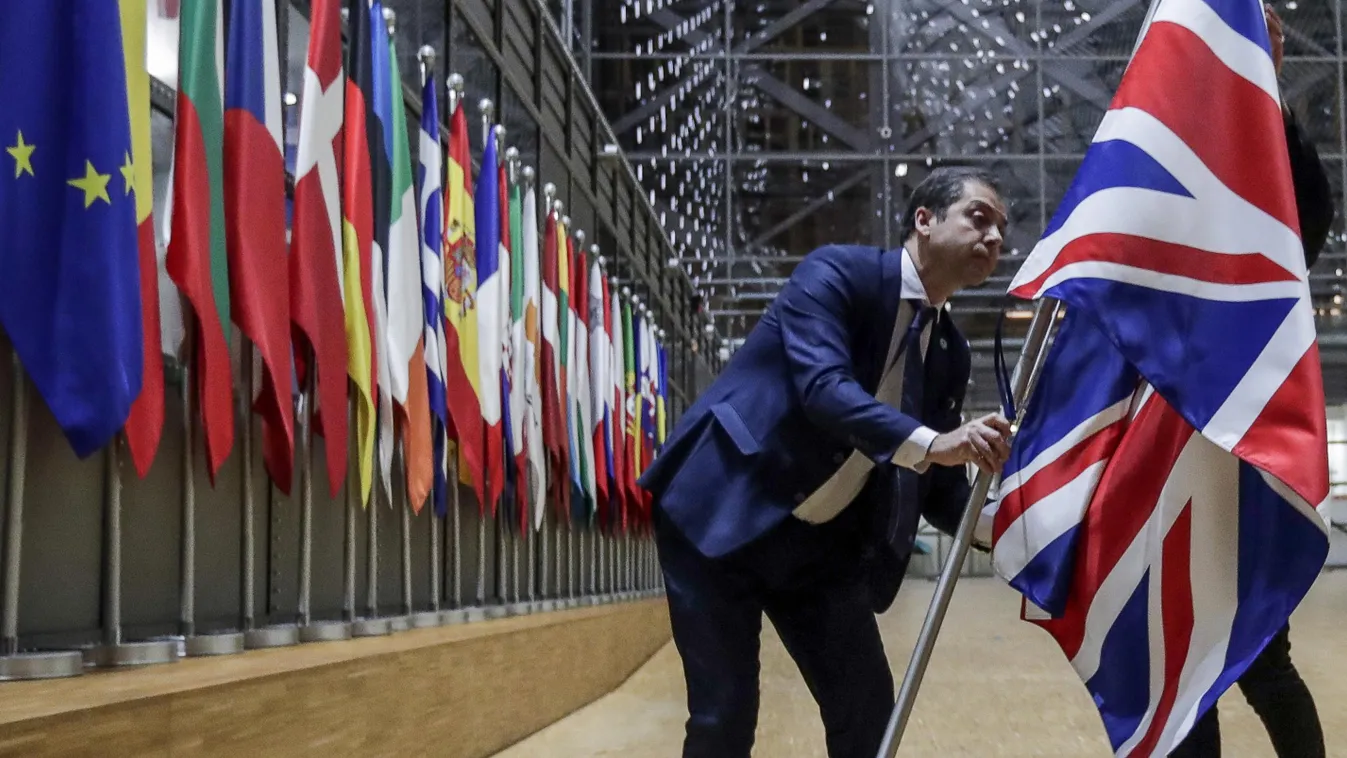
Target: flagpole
x,y
15,665
1032,356
310,631
582,434
404,622
453,86
565,475
433,617
512,172
114,651
476,613
501,606
353,488
548,601
194,644
531,540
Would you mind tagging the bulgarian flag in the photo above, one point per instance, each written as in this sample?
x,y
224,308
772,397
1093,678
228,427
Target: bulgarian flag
x,y
599,388
197,260
145,425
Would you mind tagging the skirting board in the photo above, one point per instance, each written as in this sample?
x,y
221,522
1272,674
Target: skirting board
x,y
465,691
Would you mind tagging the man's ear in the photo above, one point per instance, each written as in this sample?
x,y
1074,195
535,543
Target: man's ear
x,y
922,221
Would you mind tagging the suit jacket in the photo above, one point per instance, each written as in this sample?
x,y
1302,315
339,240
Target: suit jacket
x,y
1314,194
795,401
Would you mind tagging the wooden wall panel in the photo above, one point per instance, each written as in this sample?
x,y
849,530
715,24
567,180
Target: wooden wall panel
x,y
457,692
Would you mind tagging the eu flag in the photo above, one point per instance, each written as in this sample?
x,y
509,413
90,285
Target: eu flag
x,y
70,288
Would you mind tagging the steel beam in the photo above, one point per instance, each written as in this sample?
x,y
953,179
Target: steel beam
x,y
805,108
806,211
781,25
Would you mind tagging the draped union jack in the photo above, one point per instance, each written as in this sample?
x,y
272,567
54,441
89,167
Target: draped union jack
x,y
1158,511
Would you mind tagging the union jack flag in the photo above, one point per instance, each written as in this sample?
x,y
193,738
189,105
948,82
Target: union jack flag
x,y
1158,511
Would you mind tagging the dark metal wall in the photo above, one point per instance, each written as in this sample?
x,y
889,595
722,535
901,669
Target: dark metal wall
x,y
507,51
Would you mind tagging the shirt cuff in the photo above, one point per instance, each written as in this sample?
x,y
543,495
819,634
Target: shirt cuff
x,y
912,453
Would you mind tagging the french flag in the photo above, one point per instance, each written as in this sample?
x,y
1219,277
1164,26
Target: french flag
x,y
254,182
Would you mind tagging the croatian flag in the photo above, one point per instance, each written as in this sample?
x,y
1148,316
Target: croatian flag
x,y
1158,511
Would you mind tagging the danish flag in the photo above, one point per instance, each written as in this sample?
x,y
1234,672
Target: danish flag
x,y
1158,511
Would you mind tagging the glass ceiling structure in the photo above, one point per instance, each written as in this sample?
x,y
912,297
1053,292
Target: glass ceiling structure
x,y
765,128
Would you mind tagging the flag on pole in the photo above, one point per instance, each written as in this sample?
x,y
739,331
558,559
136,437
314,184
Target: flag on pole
x,y
70,298
358,235
509,472
254,188
565,328
649,392
462,378
432,286
554,408
1158,508
492,291
145,425
584,396
520,364
617,389
379,119
662,396
574,390
600,389
317,274
197,260
406,308
532,363
631,322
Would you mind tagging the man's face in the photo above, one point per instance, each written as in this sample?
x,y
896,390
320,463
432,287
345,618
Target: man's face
x,y
967,240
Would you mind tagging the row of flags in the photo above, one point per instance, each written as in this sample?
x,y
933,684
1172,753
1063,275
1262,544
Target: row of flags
x,y
457,322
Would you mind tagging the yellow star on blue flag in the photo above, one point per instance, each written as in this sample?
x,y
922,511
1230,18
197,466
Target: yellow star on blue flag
x,y
70,293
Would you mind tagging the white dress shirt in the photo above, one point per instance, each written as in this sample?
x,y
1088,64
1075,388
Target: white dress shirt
x,y
843,486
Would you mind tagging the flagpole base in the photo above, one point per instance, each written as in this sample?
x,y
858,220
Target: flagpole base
x,y
521,609
427,619
454,617
132,654
281,635
370,628
498,612
399,624
58,664
474,614
325,631
231,643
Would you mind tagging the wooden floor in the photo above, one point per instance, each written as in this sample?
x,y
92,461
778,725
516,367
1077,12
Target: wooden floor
x,y
996,687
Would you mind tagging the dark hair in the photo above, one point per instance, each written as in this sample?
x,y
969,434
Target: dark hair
x,y
941,189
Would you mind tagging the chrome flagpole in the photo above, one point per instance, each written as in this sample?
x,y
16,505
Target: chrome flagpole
x,y
1022,382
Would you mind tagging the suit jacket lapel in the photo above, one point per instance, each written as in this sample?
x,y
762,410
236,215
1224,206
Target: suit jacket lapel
x,y
891,294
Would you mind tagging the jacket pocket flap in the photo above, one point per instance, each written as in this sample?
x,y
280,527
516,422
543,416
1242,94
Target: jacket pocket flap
x,y
731,422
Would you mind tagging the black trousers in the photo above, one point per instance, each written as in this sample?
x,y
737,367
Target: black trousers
x,y
806,580
1277,694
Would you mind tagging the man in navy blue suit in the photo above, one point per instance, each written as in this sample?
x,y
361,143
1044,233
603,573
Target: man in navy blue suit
x,y
793,487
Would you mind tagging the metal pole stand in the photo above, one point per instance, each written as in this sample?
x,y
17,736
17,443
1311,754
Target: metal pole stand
x,y
14,664
228,643
372,625
113,652
277,635
456,613
310,630
1026,373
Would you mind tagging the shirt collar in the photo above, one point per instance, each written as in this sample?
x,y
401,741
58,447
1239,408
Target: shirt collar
x,y
912,288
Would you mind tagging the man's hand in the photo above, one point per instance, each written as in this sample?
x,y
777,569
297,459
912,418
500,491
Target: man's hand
x,y
984,442
1277,34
